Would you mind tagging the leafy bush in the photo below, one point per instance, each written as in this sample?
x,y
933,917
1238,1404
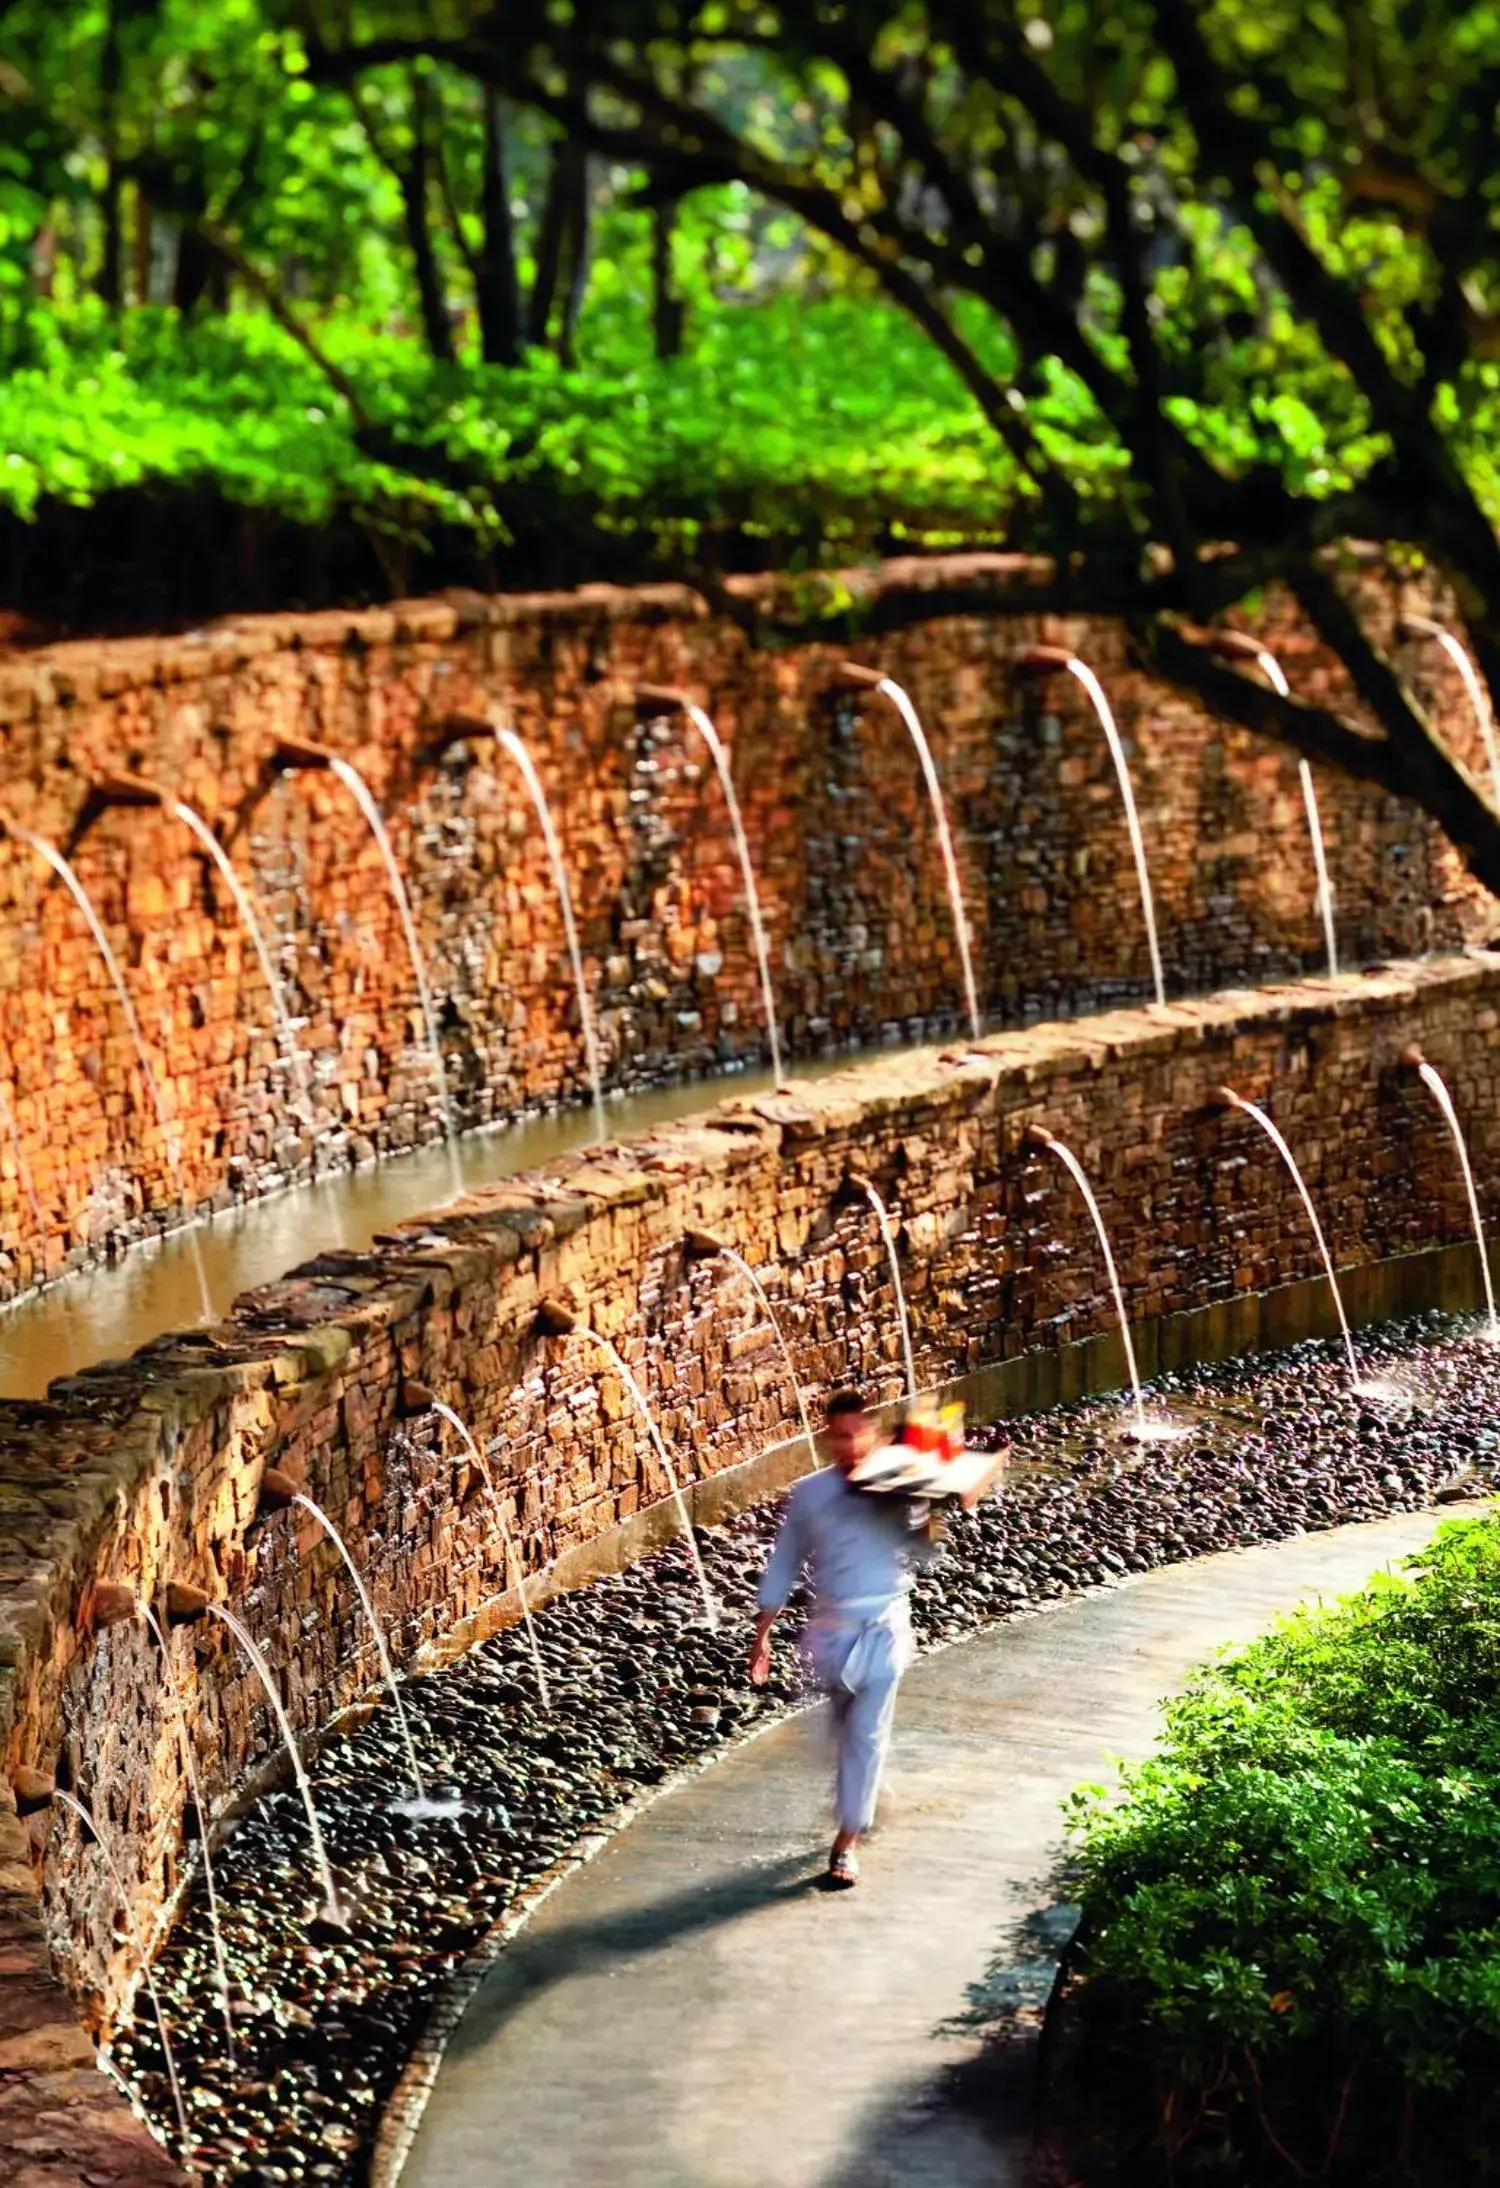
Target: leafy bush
x,y
1292,1912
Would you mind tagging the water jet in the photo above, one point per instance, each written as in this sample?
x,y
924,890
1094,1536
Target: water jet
x,y
1414,1060
855,675
663,695
1047,661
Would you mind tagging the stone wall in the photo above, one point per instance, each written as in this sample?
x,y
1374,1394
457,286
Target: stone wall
x,y
862,943
150,1473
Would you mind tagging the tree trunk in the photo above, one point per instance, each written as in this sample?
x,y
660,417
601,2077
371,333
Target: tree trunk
x,y
196,263
496,288
142,247
577,232
668,313
413,178
111,262
549,250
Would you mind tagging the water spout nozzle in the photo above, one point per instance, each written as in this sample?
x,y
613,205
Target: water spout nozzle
x,y
702,1245
461,729
558,1318
415,1397
34,1790
854,676
1221,1098
661,695
1036,1136
298,752
1235,645
111,1604
126,790
277,1490
1042,660
1411,1057
185,1604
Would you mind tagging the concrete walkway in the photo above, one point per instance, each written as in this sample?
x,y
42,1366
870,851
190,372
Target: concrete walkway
x,y
690,2011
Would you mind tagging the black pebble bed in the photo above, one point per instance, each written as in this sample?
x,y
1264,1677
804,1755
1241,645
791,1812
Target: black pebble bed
x,y
640,1688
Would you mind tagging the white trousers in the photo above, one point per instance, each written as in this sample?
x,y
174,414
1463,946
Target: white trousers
x,y
857,1653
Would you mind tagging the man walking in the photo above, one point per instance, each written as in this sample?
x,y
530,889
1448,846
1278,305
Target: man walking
x,y
861,1550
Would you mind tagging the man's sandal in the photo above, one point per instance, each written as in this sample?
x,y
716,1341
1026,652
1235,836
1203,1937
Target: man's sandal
x,y
843,1870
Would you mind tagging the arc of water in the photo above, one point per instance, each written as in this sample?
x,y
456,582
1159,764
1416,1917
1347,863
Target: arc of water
x,y
456,1420
1251,1109
1437,1088
262,1670
901,700
387,1668
352,780
244,904
1276,677
738,1262
1103,710
511,744
1478,697
887,1232
638,1399
705,728
190,1764
1079,1175
128,1910
52,857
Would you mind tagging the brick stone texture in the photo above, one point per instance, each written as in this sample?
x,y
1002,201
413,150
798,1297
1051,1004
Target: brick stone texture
x,y
150,1471
862,942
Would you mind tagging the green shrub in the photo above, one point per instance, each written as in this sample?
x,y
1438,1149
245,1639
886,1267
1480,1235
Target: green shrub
x,y
1291,1959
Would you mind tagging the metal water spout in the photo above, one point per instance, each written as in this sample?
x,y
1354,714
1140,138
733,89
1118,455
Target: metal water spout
x,y
1422,626
559,1318
1436,1086
12,831
459,730
127,1908
1042,661
858,678
138,791
708,1246
296,754
665,695
1240,646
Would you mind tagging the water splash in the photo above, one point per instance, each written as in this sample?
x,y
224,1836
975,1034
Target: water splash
x,y
387,1668
901,701
332,1910
1102,709
1276,678
720,758
195,1788
511,744
1439,1092
245,905
1250,1109
887,1232
352,780
1479,700
518,1577
638,1400
54,859
1145,1430
742,1266
128,1910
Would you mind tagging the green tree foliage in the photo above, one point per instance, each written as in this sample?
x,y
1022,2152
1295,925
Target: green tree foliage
x,y
1290,1912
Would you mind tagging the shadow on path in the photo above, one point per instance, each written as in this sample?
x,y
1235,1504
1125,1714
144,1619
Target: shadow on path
x,y
538,1959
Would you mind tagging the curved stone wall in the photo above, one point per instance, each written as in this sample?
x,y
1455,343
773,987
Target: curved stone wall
x,y
862,943
152,1473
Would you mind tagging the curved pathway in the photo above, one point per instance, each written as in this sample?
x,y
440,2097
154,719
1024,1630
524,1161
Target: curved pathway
x,y
690,2011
